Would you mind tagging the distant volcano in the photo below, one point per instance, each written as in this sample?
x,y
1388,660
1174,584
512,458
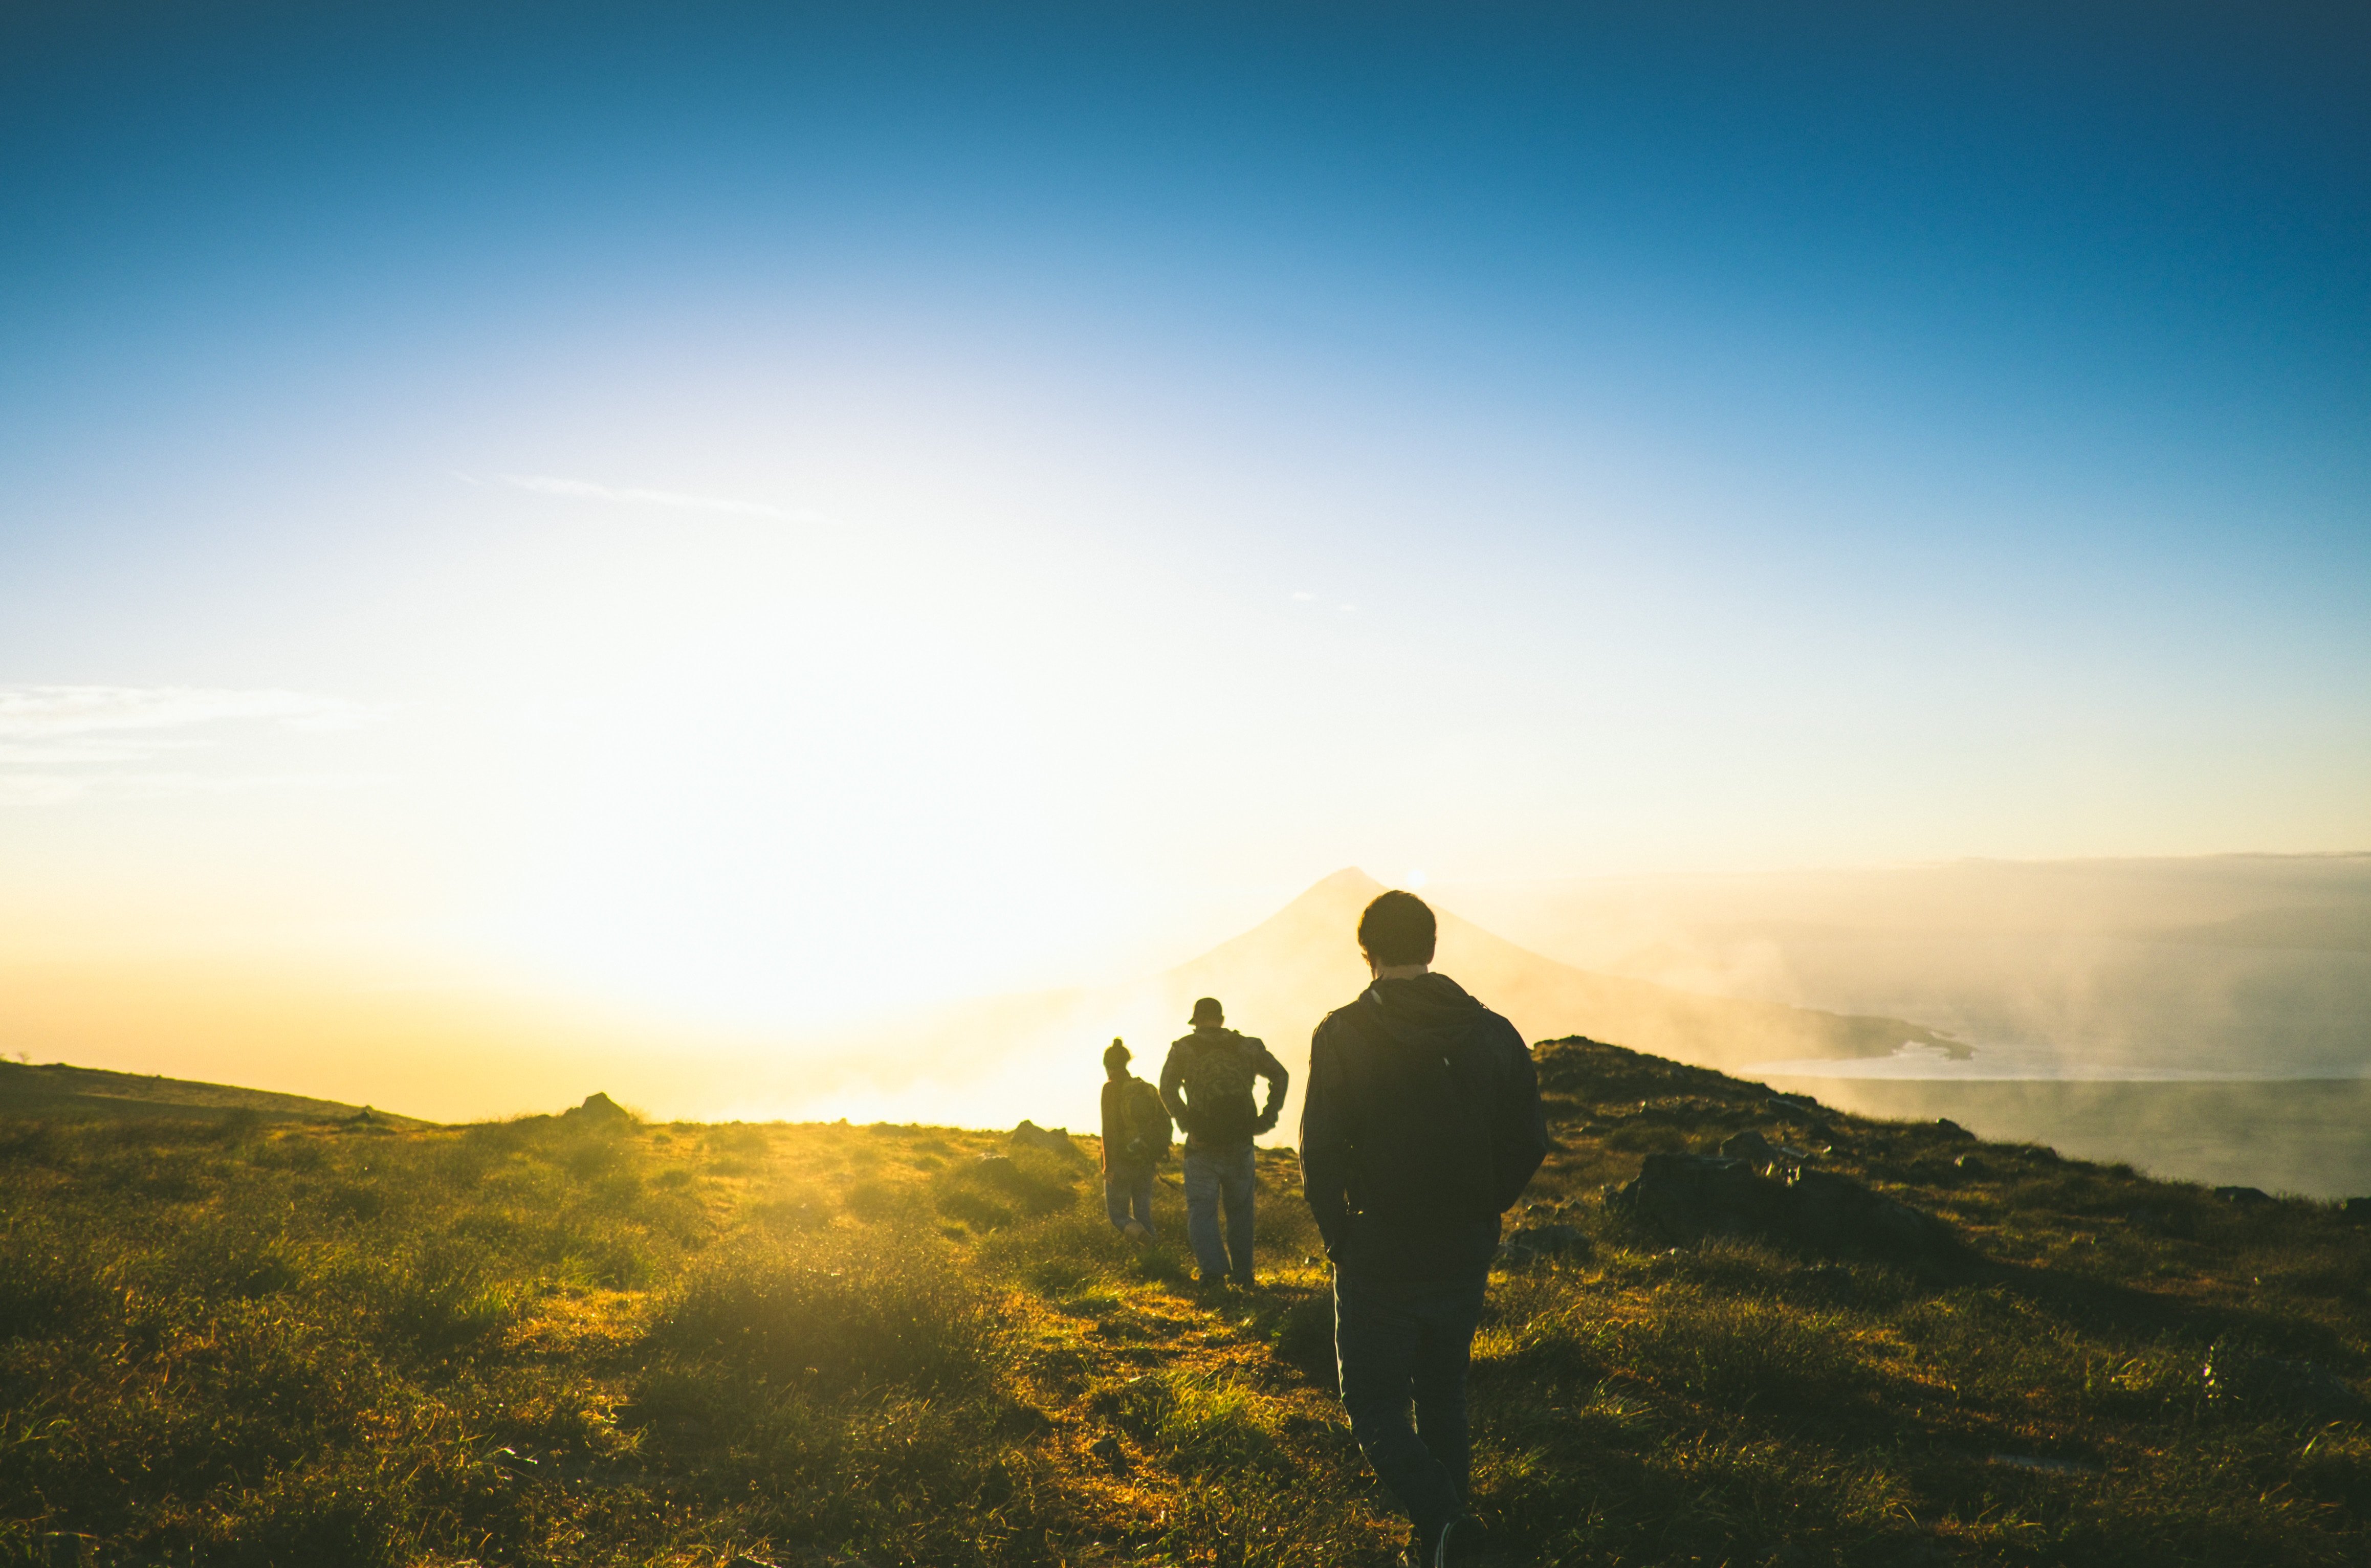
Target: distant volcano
x,y
1277,980
1308,950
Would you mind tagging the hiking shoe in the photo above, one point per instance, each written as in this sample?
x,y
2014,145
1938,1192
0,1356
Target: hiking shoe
x,y
1462,1542
1136,1230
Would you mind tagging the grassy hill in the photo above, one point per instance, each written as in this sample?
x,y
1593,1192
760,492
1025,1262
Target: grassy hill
x,y
55,1089
588,1340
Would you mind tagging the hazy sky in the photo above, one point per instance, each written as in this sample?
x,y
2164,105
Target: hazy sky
x,y
744,509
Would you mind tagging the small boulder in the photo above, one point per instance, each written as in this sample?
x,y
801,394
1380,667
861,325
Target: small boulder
x,y
2243,1197
1054,1140
1951,1129
1836,1214
598,1107
1531,1242
1109,1451
1688,1195
1750,1147
1698,1194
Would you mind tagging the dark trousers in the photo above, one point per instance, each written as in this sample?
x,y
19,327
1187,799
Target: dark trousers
x,y
1403,1344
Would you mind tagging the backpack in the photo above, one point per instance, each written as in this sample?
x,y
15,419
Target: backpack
x,y
1217,1083
1147,1121
1429,1123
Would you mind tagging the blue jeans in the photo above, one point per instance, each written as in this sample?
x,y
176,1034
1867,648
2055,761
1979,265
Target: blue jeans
x,y
1129,1195
1396,1343
1213,1175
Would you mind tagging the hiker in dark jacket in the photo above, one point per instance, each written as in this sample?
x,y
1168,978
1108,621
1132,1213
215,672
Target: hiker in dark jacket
x,y
1136,1140
1206,1083
1422,1125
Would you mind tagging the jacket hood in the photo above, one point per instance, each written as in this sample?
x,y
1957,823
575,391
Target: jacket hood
x,y
1422,1007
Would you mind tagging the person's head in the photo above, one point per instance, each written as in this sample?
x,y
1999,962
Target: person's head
x,y
1209,1014
1115,1059
1397,931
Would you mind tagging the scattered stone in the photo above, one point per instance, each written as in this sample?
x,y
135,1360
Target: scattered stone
x,y
1532,1242
598,1107
1696,1194
1055,1140
1968,1165
1111,1453
1951,1129
1751,1149
2245,1197
1693,1194
1760,1153
1836,1214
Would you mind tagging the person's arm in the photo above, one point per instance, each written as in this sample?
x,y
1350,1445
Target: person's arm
x,y
1172,1078
1521,1136
1325,1147
1266,1066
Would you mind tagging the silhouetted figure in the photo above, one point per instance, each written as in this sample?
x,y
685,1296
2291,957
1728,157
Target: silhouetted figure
x,y
1136,1140
1207,1085
1421,1126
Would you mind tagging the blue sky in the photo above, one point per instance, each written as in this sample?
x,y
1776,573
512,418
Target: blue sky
x,y
651,459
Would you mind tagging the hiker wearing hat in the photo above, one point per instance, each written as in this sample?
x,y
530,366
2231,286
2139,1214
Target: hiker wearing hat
x,y
1206,1083
1422,1125
1136,1140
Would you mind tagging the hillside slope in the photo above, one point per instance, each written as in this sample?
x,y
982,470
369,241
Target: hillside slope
x,y
55,1089
588,1341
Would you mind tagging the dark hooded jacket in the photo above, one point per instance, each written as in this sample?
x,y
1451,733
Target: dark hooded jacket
x,y
1421,1126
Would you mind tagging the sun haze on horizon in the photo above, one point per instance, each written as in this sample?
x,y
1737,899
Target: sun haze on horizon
x,y
716,525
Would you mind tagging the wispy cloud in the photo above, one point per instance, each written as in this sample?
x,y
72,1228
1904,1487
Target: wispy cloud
x,y
61,742
584,489
40,712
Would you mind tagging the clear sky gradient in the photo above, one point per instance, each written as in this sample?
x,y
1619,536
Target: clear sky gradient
x,y
743,510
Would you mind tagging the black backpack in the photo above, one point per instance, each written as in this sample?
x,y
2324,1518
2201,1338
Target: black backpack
x,y
1218,1079
1430,1151
1147,1121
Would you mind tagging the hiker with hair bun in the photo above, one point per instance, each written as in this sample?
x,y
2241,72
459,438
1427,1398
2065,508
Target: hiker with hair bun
x,y
1421,1126
1136,1140
1206,1083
